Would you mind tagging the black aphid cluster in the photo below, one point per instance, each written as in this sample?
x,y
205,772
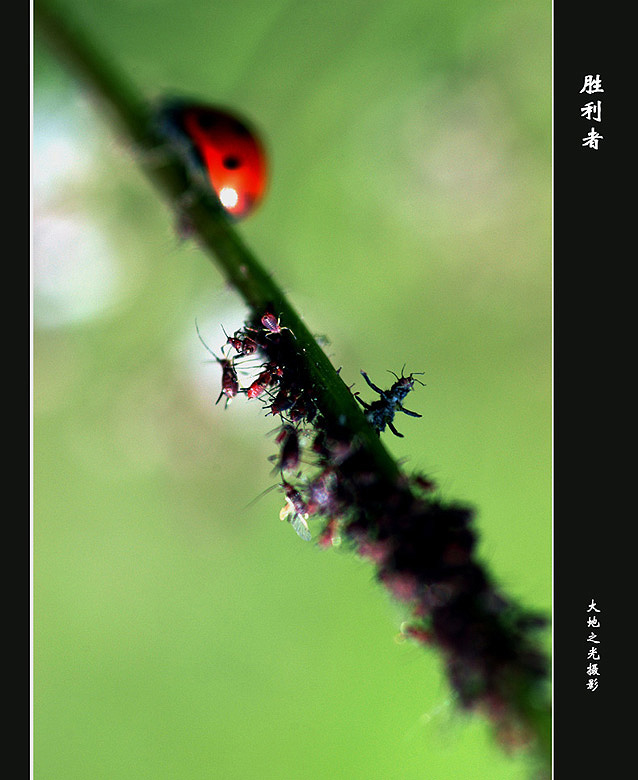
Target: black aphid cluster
x,y
421,546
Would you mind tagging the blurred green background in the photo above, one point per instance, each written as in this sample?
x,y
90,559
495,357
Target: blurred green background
x,y
181,631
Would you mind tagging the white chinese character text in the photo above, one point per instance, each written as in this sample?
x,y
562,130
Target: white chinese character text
x,y
592,111
591,139
592,84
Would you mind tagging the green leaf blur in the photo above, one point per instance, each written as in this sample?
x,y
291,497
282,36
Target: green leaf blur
x,y
180,629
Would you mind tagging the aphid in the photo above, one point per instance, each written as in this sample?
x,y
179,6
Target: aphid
x,y
259,385
321,493
268,377
272,324
289,452
333,450
304,408
222,148
330,534
284,400
243,345
381,412
295,511
417,633
294,498
230,383
298,412
424,483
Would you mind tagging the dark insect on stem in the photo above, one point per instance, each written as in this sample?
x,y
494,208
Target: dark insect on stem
x,y
423,483
283,401
295,511
321,492
268,377
230,382
242,344
271,324
381,412
289,452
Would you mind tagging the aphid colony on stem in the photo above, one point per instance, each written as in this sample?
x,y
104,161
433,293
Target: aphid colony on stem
x,y
285,392
422,547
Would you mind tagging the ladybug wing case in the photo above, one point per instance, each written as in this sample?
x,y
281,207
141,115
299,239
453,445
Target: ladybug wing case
x,y
222,148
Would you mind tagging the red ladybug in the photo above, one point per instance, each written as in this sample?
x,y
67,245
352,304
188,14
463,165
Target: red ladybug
x,y
222,146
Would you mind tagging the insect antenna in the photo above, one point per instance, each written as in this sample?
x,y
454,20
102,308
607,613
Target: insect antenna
x,y
394,375
410,376
206,347
259,496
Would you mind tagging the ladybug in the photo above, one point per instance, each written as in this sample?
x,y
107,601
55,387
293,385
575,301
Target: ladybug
x,y
222,147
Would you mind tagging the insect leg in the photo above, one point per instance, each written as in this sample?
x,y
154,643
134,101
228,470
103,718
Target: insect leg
x,y
372,385
363,403
219,398
394,430
407,411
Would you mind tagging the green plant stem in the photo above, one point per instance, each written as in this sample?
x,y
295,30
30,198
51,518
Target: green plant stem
x,y
207,220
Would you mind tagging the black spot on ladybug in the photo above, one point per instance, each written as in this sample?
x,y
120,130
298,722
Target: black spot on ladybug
x,y
207,120
239,128
231,162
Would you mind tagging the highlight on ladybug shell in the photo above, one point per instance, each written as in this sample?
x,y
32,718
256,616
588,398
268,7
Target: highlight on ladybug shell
x,y
222,146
